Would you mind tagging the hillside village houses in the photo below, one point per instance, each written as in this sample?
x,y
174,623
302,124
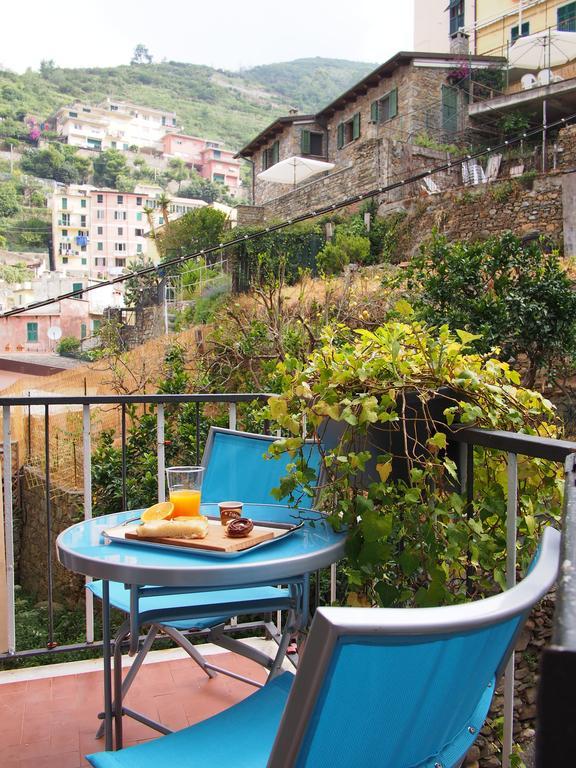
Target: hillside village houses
x,y
127,127
96,232
399,119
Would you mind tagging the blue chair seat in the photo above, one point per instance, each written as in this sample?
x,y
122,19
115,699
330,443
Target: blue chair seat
x,y
202,609
241,736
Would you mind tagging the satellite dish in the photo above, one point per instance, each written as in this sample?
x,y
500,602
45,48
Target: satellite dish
x,y
54,332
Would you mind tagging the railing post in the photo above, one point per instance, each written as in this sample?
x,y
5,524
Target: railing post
x,y
9,530
87,468
511,513
161,452
232,415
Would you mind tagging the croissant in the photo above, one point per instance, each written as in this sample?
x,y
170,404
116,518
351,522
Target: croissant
x,y
181,528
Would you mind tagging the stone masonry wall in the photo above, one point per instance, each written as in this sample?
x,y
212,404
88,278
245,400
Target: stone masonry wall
x,y
66,509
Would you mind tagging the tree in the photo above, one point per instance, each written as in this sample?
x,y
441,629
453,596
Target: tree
x,y
200,189
516,295
108,167
47,66
59,162
141,55
8,200
177,171
192,232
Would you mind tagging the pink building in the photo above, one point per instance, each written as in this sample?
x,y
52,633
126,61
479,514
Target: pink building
x,y
207,157
117,224
28,332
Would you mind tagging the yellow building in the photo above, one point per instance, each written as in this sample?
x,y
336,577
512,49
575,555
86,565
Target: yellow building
x,y
498,23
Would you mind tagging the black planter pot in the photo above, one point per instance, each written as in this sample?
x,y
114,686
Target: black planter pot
x,y
404,439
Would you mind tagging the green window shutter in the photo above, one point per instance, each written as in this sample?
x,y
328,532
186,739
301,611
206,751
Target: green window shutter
x,y
275,152
566,17
83,331
449,109
264,156
31,331
340,136
356,126
77,286
374,112
305,142
393,102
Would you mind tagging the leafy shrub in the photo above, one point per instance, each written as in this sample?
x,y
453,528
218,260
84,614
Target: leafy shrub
x,y
413,541
515,295
346,249
502,191
59,162
68,346
8,200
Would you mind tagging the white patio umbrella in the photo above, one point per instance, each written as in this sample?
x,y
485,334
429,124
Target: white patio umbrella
x,y
542,50
293,170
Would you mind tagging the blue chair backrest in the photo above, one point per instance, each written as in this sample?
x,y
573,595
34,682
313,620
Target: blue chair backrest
x,y
408,688
237,470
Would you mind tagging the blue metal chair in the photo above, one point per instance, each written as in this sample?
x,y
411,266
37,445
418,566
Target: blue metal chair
x,y
235,469
376,687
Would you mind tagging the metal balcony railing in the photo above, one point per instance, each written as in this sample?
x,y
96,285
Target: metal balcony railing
x,y
513,444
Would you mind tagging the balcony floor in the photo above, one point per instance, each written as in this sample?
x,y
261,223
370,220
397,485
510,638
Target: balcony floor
x,y
50,721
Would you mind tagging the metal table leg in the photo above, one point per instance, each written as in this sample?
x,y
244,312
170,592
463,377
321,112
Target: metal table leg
x,y
106,657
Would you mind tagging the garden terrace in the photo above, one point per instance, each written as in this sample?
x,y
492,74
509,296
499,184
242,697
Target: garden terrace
x,y
35,735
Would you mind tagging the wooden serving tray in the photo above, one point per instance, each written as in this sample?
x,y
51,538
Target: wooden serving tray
x,y
215,541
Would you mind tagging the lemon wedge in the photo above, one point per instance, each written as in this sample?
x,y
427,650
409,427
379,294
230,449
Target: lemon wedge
x,y
161,511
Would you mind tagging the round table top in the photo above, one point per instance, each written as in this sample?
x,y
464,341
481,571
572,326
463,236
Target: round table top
x,y
82,548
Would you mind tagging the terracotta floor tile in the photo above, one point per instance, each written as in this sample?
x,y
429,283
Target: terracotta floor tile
x,y
53,760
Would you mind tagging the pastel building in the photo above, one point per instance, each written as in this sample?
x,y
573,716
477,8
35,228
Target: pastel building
x,y
114,124
208,158
71,220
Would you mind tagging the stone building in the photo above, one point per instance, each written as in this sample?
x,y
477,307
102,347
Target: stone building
x,y
368,130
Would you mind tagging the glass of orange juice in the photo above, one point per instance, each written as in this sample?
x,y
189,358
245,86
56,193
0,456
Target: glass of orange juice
x,y
185,487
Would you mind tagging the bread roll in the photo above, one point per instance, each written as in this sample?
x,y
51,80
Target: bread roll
x,y
180,528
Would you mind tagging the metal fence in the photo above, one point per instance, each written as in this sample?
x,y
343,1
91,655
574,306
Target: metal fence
x,y
512,444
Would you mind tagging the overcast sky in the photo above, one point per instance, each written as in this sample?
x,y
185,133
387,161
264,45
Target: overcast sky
x,y
228,34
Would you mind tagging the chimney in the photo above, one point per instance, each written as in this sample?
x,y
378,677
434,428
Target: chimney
x,y
292,111
460,44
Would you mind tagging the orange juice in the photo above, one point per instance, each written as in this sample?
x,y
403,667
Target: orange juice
x,y
186,502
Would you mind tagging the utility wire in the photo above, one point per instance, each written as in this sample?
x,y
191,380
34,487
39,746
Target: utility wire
x,y
322,211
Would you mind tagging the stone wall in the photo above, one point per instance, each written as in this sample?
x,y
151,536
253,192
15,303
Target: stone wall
x,y
479,212
66,507
145,323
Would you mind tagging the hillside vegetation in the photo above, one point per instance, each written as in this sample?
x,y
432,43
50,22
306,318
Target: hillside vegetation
x,y
228,106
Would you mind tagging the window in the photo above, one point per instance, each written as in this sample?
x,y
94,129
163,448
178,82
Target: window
x,y
83,221
113,108
217,154
99,198
65,220
310,143
139,248
64,259
64,203
120,199
566,17
271,155
120,215
100,261
84,262
139,232
219,178
77,287
119,247
95,326
114,144
64,233
100,215
515,31
119,262
73,114
160,219
138,201
83,330
125,146
139,216
348,131
456,16
384,109
82,203
120,230
31,331
100,231
99,246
